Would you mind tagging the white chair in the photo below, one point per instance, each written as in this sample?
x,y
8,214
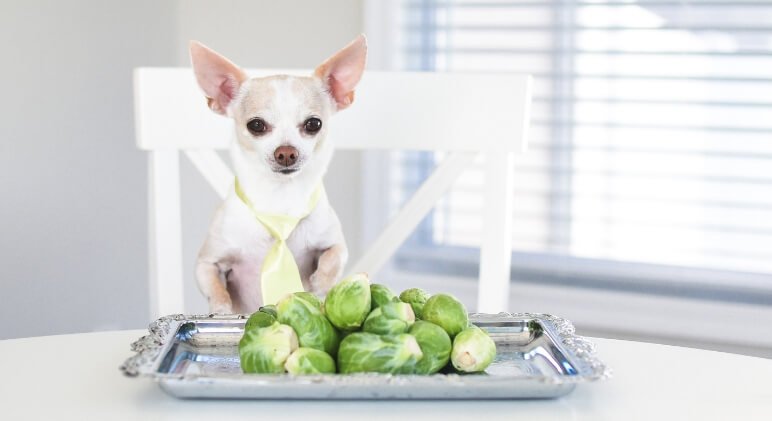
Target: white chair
x,y
463,114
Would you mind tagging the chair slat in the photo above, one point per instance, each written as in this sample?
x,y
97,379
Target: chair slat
x,y
213,168
496,240
413,211
166,286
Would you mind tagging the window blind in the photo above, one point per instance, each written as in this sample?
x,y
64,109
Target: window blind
x,y
651,129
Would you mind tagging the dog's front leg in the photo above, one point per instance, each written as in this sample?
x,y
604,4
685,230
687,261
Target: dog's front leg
x,y
328,269
213,288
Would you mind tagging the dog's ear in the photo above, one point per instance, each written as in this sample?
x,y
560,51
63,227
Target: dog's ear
x,y
342,71
216,75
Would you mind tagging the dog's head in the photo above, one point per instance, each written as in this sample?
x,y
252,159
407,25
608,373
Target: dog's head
x,y
281,121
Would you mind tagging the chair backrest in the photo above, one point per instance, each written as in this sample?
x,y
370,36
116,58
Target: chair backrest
x,y
464,114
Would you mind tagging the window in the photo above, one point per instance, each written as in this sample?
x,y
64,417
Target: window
x,y
650,161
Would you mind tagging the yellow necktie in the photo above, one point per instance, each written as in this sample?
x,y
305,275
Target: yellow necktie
x,y
280,274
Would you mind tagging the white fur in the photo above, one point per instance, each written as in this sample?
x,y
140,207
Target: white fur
x,y
230,261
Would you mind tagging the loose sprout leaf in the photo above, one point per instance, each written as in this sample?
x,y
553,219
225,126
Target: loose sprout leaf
x,y
270,309
259,320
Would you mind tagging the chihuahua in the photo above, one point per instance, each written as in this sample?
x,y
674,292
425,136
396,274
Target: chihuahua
x,y
280,155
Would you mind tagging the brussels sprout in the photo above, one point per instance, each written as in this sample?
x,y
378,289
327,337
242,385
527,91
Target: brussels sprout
x,y
348,302
270,309
435,345
446,312
416,297
389,319
258,320
309,361
363,352
310,298
473,350
313,329
380,295
264,350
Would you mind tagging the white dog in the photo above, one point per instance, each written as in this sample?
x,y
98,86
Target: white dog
x,y
280,154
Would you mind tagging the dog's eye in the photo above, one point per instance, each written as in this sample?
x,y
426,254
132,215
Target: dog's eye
x,y
312,125
257,126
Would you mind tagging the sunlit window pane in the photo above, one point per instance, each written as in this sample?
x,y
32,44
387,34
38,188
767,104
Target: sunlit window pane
x,y
651,135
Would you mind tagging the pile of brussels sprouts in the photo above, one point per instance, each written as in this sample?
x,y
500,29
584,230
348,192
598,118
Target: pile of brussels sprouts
x,y
363,327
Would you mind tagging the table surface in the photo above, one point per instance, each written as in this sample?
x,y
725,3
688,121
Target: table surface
x,y
68,376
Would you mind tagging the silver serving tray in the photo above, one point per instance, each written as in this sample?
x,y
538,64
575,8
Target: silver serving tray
x,y
538,356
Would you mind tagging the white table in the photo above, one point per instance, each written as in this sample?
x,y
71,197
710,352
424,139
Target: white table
x,y
77,377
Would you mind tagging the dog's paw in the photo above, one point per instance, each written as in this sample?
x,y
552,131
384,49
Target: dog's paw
x,y
221,306
321,282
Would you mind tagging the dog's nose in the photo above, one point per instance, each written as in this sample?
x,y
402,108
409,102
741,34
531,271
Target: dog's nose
x,y
286,155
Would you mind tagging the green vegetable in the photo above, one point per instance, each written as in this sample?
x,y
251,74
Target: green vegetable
x,y
348,302
416,297
310,298
304,315
380,295
447,312
364,352
264,350
309,361
473,350
435,345
300,333
270,309
259,320
389,319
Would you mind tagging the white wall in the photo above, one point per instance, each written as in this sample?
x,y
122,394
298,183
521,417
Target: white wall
x,y
72,184
73,235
